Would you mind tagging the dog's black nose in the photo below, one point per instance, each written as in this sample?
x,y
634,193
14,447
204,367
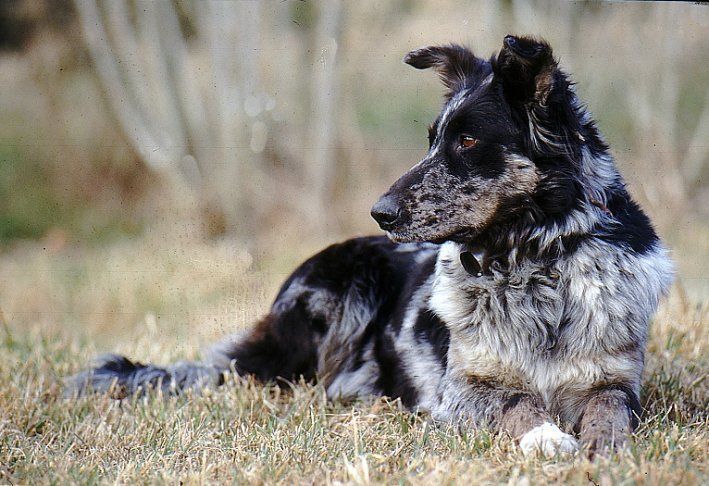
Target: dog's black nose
x,y
386,211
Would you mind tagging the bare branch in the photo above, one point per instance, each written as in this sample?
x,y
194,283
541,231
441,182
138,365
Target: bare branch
x,y
324,95
136,129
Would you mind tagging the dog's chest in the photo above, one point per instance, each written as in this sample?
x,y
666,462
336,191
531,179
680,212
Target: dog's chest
x,y
503,324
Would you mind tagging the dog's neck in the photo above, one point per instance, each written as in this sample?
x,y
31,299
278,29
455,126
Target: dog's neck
x,y
511,243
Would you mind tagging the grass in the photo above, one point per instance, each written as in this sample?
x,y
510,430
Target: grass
x,y
159,298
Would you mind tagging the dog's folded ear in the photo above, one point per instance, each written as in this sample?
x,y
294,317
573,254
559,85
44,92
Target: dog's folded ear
x,y
456,65
527,68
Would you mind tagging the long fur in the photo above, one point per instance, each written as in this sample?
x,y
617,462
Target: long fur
x,y
516,284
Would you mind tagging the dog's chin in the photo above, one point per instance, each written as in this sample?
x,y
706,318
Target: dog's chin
x,y
463,235
397,237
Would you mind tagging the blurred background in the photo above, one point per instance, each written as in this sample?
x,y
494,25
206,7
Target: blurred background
x,y
175,160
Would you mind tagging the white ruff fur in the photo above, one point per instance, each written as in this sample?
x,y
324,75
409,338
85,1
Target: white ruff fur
x,y
500,324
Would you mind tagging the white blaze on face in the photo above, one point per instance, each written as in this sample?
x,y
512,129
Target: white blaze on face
x,y
453,105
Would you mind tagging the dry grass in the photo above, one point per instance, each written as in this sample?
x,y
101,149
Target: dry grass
x,y
166,294
161,298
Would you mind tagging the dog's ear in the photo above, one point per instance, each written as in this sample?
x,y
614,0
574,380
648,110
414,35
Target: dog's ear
x,y
533,84
455,65
527,69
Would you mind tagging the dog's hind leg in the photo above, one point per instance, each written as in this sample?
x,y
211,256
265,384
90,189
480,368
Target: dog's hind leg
x,y
282,345
317,325
518,413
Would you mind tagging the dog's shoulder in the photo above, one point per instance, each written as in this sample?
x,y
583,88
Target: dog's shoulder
x,y
612,289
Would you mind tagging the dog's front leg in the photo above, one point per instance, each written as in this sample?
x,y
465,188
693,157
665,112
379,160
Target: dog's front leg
x,y
608,418
520,414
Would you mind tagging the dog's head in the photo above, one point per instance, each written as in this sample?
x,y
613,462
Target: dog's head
x,y
500,147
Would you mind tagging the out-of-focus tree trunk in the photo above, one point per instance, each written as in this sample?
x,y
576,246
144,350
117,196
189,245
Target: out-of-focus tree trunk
x,y
195,123
325,99
196,111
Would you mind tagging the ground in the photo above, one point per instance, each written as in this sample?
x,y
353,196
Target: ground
x,y
158,299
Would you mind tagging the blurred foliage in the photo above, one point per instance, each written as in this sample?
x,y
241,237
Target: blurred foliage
x,y
25,204
15,28
65,167
32,205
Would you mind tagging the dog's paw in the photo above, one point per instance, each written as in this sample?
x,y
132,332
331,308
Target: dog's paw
x,y
549,440
604,445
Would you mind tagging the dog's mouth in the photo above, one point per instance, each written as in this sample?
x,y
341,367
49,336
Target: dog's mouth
x,y
463,235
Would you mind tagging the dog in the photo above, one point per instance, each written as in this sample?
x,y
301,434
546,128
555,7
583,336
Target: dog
x,y
513,288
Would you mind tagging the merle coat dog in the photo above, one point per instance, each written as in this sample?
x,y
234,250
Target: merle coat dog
x,y
515,287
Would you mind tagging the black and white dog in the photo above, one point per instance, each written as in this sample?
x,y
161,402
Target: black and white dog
x,y
515,287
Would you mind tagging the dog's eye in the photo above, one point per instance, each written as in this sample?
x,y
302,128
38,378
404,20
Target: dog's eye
x,y
466,141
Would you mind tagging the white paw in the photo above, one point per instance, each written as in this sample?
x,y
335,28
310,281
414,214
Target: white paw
x,y
549,440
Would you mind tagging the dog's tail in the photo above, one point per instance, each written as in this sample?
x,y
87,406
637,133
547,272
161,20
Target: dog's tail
x,y
281,347
120,377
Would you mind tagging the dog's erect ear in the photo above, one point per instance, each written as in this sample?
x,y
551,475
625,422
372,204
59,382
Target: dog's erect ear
x,y
526,67
534,85
456,65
